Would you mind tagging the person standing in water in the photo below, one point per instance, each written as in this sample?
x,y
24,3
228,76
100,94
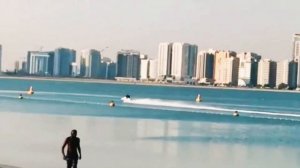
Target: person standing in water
x,y
73,148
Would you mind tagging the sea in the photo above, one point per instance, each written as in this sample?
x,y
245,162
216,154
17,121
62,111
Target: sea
x,y
161,127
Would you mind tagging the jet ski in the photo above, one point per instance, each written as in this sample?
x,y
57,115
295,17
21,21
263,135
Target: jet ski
x,y
126,98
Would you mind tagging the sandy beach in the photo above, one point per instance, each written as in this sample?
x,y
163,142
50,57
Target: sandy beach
x,y
87,80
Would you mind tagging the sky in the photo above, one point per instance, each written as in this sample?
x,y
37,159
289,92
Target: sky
x,y
262,26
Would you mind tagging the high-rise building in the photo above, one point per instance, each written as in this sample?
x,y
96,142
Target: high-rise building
x,y
282,72
192,60
179,66
296,55
152,69
90,63
144,69
17,66
63,59
296,47
111,70
293,71
103,69
205,66
24,66
226,68
248,67
74,69
266,73
128,64
0,58
107,69
298,75
40,63
176,60
164,60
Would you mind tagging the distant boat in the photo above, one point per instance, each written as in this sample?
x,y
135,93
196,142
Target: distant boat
x,y
198,98
30,91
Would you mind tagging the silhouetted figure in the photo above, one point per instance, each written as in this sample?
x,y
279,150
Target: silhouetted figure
x,y
73,144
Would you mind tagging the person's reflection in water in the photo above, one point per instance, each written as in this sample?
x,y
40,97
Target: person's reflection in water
x,y
73,144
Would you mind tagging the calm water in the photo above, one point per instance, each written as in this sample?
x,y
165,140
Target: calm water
x,y
266,133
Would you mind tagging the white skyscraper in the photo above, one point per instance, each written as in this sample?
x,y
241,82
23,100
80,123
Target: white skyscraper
x,y
263,72
40,63
90,63
226,68
74,69
179,65
0,57
205,66
144,69
282,72
152,69
164,60
248,68
296,47
266,73
176,60
296,55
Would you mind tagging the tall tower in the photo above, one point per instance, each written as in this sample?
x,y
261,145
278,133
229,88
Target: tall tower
x,y
164,60
296,55
40,63
226,68
90,63
248,67
267,73
296,47
63,59
205,65
282,72
128,64
180,53
191,62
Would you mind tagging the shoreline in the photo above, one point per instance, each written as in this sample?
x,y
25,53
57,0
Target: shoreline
x,y
104,81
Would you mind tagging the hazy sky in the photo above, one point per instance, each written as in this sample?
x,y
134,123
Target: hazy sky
x,y
262,26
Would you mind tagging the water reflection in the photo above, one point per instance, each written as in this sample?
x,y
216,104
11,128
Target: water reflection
x,y
135,143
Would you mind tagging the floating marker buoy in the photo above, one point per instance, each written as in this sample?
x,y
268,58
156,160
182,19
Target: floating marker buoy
x,y
30,91
235,114
198,98
112,104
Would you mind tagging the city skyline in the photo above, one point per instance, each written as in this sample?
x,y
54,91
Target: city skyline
x,y
240,26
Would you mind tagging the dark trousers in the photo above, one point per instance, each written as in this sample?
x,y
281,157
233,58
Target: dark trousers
x,y
72,162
